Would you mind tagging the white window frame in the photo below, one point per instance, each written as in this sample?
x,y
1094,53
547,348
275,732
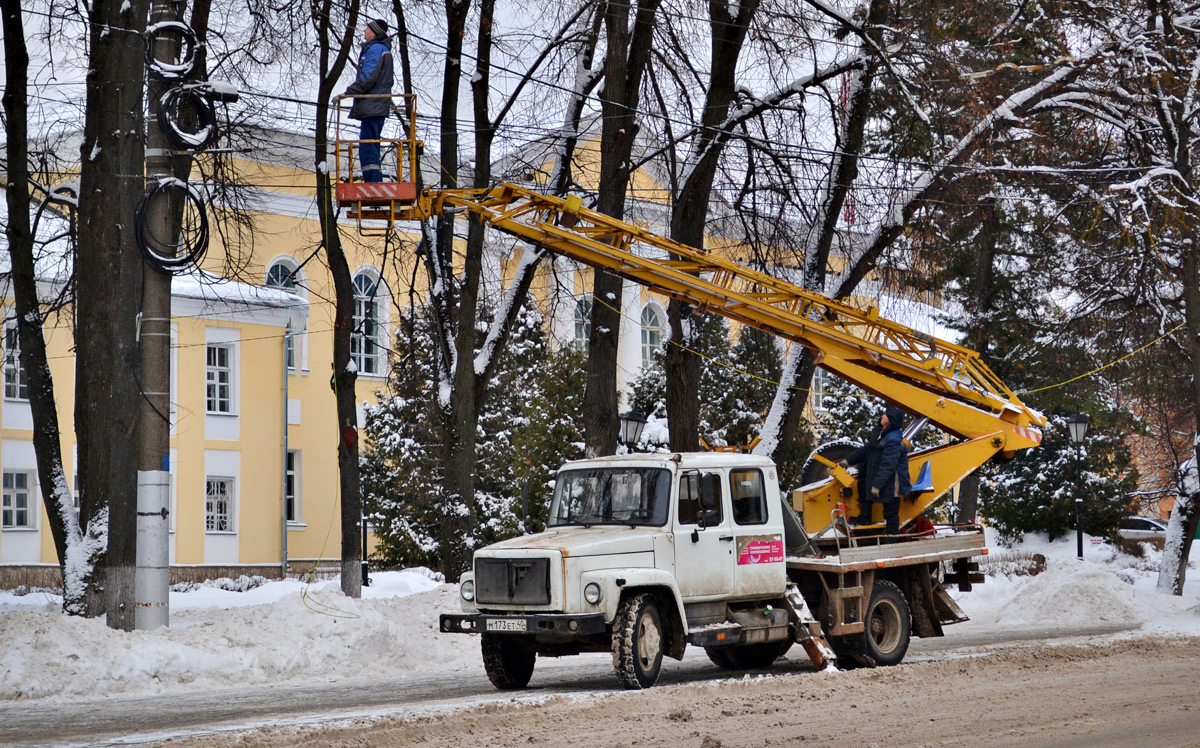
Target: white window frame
x,y
369,352
583,321
9,506
212,524
821,381
652,334
16,381
212,374
294,350
293,475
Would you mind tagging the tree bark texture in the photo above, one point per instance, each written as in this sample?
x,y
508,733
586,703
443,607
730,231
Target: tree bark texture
x,y
332,61
108,278
689,217
629,51
47,444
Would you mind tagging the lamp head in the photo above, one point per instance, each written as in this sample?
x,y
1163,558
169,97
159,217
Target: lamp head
x,y
1078,426
632,424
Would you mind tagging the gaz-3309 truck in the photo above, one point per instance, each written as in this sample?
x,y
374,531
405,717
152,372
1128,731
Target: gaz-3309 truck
x,y
645,554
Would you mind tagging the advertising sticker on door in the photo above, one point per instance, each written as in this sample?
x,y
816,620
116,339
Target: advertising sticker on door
x,y
760,549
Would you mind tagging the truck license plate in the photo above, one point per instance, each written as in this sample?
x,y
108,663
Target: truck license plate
x,y
507,624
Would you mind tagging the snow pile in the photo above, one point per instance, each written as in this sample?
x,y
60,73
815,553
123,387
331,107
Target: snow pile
x,y
1107,589
274,633
1066,596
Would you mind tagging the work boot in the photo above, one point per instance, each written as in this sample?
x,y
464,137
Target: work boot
x,y
858,521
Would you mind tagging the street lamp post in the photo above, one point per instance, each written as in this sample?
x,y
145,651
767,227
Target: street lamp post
x,y
1078,426
632,424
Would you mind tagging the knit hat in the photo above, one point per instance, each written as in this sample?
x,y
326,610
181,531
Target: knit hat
x,y
379,26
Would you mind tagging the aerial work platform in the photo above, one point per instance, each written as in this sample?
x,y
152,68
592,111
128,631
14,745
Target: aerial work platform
x,y
380,204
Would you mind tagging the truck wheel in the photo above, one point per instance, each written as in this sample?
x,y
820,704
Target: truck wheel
x,y
509,664
720,657
747,656
888,624
637,643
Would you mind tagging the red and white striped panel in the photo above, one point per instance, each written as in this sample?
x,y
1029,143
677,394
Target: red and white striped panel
x,y
1033,435
376,192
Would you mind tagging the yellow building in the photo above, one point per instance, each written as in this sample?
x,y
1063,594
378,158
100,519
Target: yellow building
x,y
235,473
232,482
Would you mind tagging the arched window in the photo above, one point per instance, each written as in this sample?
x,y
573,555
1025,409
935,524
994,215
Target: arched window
x,y
285,274
367,346
653,328
583,321
282,274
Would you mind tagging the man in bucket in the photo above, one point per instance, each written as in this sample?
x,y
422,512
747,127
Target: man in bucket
x,y
374,77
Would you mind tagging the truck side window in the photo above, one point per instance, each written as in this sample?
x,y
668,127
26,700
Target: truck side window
x,y
749,497
697,490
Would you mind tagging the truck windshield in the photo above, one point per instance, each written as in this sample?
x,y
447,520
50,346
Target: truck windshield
x,y
611,496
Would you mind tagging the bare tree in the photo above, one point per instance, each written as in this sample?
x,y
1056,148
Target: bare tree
x,y
335,25
1141,99
952,145
470,346
629,31
78,552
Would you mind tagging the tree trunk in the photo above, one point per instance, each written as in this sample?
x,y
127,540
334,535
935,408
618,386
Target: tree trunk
x,y
689,216
454,313
1182,528
47,444
627,57
344,375
108,272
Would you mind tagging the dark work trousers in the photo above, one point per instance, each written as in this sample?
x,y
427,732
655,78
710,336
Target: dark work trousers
x,y
368,153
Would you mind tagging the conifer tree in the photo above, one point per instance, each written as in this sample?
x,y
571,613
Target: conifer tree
x,y
529,425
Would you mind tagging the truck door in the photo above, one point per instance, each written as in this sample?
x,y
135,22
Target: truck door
x,y
704,541
758,533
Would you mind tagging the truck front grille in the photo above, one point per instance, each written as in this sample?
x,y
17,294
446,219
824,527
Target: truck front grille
x,y
519,581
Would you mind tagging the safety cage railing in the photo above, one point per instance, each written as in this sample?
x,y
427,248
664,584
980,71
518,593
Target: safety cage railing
x,y
400,157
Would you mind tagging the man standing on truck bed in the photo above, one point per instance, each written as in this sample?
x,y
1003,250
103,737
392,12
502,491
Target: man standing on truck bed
x,y
884,475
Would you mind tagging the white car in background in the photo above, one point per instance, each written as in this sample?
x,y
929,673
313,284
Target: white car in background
x,y
1143,528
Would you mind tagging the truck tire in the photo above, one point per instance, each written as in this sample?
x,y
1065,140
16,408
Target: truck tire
x,y
509,664
719,656
888,625
637,641
747,656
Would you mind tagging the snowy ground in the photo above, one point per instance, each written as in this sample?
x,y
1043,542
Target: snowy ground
x,y
291,632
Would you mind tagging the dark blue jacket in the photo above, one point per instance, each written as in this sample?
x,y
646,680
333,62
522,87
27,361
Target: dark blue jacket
x,y
375,76
885,462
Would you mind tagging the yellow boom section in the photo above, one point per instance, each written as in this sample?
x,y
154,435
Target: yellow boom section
x,y
945,382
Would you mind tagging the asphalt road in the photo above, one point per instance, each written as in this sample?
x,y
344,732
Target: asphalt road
x,y
149,719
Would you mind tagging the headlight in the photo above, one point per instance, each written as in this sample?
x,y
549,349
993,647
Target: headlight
x,y
467,590
592,593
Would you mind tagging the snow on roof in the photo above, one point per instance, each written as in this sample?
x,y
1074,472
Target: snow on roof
x,y
919,316
222,292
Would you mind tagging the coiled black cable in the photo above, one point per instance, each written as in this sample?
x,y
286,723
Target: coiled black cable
x,y
172,71
188,240
172,107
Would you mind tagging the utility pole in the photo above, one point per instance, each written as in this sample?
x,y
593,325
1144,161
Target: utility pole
x,y
154,346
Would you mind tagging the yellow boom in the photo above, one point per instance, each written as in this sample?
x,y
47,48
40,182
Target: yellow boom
x,y
944,382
